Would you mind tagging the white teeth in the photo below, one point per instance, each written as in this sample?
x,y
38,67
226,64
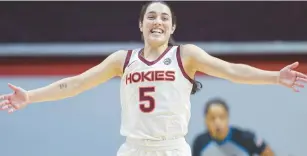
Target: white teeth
x,y
156,31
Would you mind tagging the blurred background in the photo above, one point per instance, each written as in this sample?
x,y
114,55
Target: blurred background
x,y
42,42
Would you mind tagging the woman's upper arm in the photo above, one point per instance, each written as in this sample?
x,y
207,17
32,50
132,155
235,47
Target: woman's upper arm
x,y
201,61
110,67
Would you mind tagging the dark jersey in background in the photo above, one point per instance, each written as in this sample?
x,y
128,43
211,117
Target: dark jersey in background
x,y
237,143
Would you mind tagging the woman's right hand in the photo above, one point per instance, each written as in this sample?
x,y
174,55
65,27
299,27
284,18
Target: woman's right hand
x,y
14,101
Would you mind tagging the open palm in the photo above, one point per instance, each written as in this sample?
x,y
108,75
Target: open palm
x,y
292,79
14,101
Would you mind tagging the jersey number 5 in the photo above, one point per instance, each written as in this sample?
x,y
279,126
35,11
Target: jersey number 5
x,y
147,102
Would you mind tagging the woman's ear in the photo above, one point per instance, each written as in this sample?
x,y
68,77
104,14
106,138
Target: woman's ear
x,y
141,26
173,29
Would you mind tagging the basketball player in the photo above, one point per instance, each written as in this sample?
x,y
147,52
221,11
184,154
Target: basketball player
x,y
221,139
156,82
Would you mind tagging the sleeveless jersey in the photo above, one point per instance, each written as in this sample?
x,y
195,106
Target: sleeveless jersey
x,y
155,96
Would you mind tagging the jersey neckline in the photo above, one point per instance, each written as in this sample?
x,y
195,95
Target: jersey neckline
x,y
149,63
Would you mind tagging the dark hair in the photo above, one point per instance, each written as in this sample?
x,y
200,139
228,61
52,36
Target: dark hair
x,y
171,40
196,85
216,101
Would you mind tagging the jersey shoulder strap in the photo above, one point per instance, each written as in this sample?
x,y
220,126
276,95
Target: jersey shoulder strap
x,y
127,59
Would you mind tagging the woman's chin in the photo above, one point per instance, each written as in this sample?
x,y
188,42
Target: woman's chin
x,y
156,41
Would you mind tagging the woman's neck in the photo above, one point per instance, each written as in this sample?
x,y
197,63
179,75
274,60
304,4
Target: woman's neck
x,y
153,52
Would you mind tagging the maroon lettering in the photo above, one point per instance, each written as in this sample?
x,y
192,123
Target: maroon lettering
x,y
150,76
144,97
159,75
170,75
136,77
128,78
147,76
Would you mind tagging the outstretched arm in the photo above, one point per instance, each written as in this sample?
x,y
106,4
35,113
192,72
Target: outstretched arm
x,y
240,73
71,86
67,87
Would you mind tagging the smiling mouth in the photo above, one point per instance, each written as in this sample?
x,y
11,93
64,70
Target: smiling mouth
x,y
156,31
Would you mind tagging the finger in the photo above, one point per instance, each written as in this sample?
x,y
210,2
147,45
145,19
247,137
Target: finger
x,y
298,84
9,106
4,97
11,110
295,89
15,88
301,79
14,106
293,65
5,102
301,75
4,107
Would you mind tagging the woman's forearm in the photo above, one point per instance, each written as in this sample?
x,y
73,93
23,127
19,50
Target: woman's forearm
x,y
250,75
61,89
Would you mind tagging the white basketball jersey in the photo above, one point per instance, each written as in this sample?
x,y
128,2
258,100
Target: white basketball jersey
x,y
155,96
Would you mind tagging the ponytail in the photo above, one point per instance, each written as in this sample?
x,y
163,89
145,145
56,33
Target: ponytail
x,y
196,87
171,41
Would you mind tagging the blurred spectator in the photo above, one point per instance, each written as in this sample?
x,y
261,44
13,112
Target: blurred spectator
x,y
222,139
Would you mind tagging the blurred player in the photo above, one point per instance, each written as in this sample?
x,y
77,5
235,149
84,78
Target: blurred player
x,y
221,139
156,82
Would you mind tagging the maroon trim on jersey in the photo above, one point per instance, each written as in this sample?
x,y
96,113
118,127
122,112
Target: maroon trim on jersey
x,y
149,63
178,56
128,56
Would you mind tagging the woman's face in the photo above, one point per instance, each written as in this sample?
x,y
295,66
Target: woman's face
x,y
157,24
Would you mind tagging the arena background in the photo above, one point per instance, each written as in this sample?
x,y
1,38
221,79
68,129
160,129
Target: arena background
x,y
42,42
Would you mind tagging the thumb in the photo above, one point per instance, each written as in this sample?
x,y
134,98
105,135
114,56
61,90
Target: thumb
x,y
14,88
293,65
